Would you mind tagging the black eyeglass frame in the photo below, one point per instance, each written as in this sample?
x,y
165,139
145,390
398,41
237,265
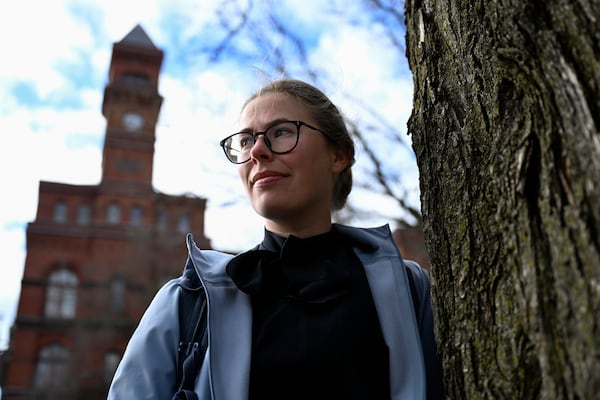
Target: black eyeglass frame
x,y
255,136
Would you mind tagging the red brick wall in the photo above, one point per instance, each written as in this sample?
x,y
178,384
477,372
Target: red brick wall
x,y
411,242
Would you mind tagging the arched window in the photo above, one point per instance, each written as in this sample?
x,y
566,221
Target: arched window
x,y
111,362
84,214
162,221
60,212
61,294
117,292
135,218
184,223
52,369
113,214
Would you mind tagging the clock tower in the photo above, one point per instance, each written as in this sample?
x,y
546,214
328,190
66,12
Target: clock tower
x,y
131,107
97,254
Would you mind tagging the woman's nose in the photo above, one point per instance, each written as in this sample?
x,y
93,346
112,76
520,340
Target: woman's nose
x,y
260,150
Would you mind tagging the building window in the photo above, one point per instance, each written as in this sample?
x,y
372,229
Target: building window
x,y
60,212
113,214
111,362
162,221
184,223
135,80
135,218
84,214
117,291
52,369
61,294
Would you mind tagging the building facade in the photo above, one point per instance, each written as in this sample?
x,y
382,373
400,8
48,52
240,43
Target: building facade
x,y
97,254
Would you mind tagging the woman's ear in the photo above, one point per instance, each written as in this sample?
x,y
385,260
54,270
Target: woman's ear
x,y
339,160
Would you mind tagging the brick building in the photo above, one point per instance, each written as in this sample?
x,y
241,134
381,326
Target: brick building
x,y
97,254
411,242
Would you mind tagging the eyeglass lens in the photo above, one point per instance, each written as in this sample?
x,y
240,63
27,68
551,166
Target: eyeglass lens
x,y
279,138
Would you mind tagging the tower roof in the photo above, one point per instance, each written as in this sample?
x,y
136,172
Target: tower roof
x,y
138,37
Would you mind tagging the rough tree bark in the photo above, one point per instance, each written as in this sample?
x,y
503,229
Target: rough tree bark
x,y
505,127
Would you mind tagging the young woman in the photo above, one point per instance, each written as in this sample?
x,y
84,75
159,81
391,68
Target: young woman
x,y
317,310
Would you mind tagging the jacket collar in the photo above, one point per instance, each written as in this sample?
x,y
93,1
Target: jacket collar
x,y
366,240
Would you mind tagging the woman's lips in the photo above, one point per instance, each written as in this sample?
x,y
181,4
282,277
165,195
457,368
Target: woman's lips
x,y
266,177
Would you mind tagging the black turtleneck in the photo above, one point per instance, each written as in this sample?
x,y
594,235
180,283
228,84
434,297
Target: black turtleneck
x,y
315,329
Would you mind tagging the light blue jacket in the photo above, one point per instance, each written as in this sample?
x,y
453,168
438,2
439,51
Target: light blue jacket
x,y
148,367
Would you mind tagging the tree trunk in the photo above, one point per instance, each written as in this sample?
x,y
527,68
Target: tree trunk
x,y
505,127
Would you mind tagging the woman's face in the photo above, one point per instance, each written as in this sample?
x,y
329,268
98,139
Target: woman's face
x,y
291,191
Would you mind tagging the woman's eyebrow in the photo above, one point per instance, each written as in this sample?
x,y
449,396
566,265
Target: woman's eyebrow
x,y
267,126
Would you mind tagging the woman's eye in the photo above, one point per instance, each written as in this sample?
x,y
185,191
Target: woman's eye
x,y
281,131
246,141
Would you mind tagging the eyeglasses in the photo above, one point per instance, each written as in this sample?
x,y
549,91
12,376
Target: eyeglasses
x,y
280,137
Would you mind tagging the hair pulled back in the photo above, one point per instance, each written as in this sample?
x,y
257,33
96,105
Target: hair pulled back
x,y
330,121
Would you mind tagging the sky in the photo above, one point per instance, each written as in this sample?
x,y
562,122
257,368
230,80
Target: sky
x,y
55,59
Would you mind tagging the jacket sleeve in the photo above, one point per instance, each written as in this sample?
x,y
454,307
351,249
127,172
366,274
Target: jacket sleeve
x,y
148,367
433,366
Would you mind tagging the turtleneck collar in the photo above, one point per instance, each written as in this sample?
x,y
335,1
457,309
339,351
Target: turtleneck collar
x,y
293,246
302,269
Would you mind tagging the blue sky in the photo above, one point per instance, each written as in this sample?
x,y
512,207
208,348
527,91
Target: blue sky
x,y
55,63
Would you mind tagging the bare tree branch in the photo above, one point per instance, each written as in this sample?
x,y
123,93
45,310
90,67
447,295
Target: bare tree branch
x,y
276,43
232,31
380,176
